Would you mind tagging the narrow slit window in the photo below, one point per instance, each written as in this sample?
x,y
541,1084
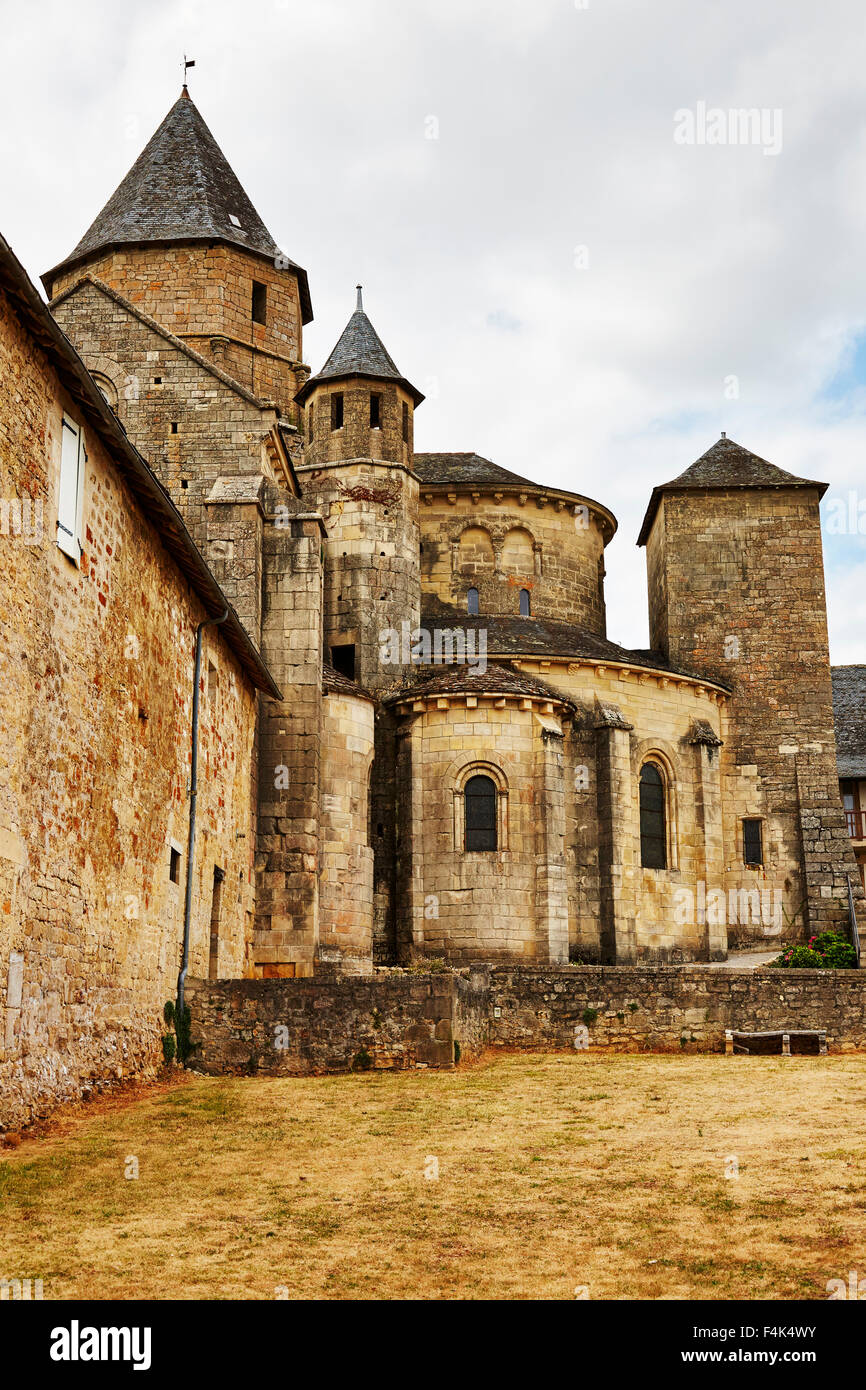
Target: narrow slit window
x,y
375,411
524,603
337,410
753,852
472,603
174,865
405,423
479,799
260,302
653,834
311,422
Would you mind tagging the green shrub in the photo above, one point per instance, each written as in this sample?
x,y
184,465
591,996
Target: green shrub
x,y
181,1030
590,1015
168,1048
828,951
362,1061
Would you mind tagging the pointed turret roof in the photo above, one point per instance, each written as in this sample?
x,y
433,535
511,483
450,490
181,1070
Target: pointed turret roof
x,y
724,466
181,188
359,352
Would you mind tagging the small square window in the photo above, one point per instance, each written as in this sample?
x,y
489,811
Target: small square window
x,y
260,302
343,659
174,426
174,865
337,410
752,848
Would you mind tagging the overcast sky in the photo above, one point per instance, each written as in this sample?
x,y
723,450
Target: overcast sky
x,y
583,297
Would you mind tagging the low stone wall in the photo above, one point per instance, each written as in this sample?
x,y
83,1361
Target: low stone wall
x,y
307,1026
397,1019
666,1009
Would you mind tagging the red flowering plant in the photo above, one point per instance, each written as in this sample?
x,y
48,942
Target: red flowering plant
x,y
828,950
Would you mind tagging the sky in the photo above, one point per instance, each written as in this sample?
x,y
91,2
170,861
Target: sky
x,y
565,242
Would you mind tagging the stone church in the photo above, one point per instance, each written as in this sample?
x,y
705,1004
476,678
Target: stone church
x,y
450,757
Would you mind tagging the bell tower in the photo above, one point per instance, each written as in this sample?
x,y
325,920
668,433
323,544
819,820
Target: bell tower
x,y
180,239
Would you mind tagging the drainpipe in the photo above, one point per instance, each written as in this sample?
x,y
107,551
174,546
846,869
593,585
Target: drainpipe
x,y
193,797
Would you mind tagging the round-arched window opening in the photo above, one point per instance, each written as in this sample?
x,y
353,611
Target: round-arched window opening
x,y
106,389
480,798
525,606
472,603
653,831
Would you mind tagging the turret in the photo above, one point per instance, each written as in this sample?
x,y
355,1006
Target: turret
x,y
357,472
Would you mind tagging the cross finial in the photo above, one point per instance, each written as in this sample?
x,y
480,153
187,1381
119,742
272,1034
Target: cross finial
x,y
360,305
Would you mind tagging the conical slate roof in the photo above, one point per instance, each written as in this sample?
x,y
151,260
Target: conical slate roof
x,y
359,352
725,465
182,188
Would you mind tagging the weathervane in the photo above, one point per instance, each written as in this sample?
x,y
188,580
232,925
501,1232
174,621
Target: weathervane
x,y
187,63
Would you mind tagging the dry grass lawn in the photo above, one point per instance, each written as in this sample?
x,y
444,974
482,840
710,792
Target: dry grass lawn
x,y
555,1172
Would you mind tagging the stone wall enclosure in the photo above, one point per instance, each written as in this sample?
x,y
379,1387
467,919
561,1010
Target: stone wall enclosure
x,y
400,1019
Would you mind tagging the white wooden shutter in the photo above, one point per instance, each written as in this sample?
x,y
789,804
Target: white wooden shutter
x,y
71,493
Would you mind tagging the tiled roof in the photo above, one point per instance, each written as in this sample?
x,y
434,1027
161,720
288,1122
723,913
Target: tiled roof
x,y
545,637
332,680
849,711
182,188
463,679
725,465
469,469
359,352
464,468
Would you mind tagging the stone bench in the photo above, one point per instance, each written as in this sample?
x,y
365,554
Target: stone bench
x,y
786,1034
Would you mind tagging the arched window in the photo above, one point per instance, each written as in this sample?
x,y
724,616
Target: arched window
x,y
472,603
653,831
107,389
524,603
480,797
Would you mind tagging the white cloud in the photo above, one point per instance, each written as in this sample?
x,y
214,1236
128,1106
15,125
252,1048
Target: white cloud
x,y
555,130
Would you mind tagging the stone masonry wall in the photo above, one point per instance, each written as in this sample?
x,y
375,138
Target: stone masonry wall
x,y
301,1027
670,1009
96,674
346,872
203,294
192,427
737,591
508,902
397,1019
370,512
504,544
